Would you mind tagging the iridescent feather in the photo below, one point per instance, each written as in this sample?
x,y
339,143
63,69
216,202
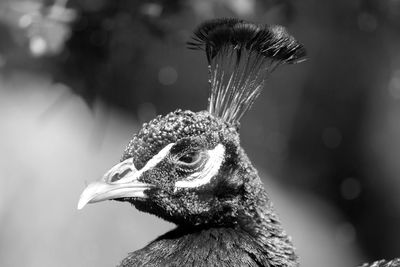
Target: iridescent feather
x,y
383,263
240,56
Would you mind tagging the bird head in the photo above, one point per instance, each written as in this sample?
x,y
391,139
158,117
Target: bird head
x,y
183,167
188,167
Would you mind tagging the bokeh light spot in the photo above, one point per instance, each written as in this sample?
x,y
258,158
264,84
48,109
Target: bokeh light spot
x,y
350,188
37,46
167,75
151,9
25,21
242,7
394,84
331,137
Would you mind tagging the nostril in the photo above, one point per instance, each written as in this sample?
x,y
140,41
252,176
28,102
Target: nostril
x,y
118,175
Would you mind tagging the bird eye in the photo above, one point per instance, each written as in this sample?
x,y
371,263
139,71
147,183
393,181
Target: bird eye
x,y
190,158
192,161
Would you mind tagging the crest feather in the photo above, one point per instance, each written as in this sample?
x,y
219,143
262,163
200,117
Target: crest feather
x,y
240,56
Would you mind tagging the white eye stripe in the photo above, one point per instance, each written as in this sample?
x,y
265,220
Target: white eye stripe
x,y
157,158
211,168
149,165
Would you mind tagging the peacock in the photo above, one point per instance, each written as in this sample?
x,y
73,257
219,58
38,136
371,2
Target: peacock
x,y
189,168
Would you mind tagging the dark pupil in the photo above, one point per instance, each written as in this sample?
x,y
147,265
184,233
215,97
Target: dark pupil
x,y
189,158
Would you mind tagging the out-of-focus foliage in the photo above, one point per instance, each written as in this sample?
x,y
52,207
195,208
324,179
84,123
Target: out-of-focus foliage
x,y
100,48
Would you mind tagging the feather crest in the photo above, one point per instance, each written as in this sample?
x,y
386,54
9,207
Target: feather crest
x,y
240,56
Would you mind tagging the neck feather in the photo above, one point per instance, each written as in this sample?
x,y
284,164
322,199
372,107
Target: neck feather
x,y
260,220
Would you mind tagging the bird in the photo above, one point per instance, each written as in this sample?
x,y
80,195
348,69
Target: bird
x,y
190,169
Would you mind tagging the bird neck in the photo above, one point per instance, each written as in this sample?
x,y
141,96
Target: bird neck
x,y
260,220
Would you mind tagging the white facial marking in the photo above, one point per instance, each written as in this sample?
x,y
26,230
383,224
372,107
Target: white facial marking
x,y
135,174
211,168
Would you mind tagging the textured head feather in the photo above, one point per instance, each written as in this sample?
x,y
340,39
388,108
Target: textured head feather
x,y
240,57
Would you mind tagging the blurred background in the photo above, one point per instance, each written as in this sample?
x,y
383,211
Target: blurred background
x,y
78,78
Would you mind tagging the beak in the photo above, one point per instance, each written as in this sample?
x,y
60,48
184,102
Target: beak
x,y
119,182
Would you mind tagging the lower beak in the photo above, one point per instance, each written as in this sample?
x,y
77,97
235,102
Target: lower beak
x,y
120,181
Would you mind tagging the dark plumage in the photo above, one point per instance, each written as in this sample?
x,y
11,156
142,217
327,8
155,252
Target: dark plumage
x,y
272,42
213,246
241,55
383,263
189,168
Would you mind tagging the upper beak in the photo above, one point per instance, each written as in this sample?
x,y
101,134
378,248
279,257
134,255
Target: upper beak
x,y
119,182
